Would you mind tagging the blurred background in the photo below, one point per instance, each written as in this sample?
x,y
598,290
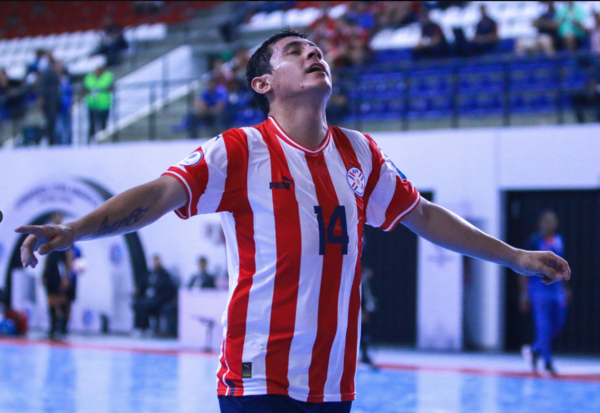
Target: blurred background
x,y
490,108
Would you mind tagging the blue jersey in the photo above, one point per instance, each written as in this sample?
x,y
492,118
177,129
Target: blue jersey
x,y
535,285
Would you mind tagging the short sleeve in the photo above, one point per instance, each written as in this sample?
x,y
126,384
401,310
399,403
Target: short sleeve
x,y
391,195
559,248
203,175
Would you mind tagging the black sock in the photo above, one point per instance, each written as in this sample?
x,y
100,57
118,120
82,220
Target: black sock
x,y
53,320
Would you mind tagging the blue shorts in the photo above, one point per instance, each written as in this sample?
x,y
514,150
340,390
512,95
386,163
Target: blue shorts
x,y
275,403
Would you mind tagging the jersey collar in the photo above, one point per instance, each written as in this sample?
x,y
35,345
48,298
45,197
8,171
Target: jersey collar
x,y
282,135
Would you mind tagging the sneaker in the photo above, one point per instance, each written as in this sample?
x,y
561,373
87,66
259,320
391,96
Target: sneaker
x,y
548,370
530,357
138,333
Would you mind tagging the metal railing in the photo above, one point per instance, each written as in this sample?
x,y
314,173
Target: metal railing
x,y
408,95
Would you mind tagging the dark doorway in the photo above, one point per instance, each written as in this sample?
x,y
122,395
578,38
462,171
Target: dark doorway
x,y
579,216
393,258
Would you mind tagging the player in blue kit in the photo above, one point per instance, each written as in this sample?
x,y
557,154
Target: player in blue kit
x,y
549,302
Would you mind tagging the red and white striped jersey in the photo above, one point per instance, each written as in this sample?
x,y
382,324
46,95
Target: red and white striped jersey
x,y
293,220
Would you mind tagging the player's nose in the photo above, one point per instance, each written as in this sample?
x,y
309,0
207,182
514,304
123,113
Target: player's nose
x,y
314,52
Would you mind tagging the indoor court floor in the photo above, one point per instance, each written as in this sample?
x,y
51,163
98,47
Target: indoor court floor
x,y
122,375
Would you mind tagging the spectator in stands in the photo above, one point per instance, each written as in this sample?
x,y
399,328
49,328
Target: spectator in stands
x,y
359,13
571,30
396,14
147,7
203,279
325,32
64,120
39,63
5,86
338,105
48,88
149,299
486,34
238,64
209,109
98,87
324,20
12,104
587,99
595,35
112,41
351,44
547,39
433,43
547,27
221,71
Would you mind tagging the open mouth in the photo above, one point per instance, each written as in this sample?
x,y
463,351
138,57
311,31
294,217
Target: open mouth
x,y
317,67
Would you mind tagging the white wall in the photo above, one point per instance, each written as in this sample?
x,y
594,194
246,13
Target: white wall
x,y
467,170
116,168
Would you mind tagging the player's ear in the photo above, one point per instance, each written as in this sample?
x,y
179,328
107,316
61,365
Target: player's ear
x,y
262,84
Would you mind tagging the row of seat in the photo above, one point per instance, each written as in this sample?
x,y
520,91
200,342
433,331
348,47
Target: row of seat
x,y
475,105
72,48
44,17
290,18
481,87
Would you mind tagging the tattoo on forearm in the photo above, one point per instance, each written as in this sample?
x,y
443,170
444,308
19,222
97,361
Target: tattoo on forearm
x,y
133,218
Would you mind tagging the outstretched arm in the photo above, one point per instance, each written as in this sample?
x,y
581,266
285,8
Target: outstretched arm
x,y
448,230
126,212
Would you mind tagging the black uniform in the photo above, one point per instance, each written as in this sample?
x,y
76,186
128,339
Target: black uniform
x,y
52,272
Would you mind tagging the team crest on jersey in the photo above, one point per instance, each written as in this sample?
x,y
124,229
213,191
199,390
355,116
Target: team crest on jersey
x,y
193,159
356,180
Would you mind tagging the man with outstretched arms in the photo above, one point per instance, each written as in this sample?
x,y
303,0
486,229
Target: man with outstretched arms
x,y
293,194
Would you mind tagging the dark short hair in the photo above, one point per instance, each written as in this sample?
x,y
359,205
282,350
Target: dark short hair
x,y
260,64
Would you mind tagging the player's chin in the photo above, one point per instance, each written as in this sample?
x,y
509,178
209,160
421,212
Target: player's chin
x,y
322,82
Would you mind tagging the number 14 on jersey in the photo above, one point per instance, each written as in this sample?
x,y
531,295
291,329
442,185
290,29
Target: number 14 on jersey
x,y
328,236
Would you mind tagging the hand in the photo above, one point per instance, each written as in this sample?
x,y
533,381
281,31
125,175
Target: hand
x,y
44,239
543,264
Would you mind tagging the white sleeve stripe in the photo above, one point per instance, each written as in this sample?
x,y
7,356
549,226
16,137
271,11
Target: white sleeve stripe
x,y
405,212
188,190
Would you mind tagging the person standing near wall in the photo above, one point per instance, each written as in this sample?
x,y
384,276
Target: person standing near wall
x,y
70,285
98,88
203,279
549,302
55,280
150,300
49,99
64,120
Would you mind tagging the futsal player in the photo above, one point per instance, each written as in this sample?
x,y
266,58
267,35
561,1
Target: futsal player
x,y
294,194
55,283
549,302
